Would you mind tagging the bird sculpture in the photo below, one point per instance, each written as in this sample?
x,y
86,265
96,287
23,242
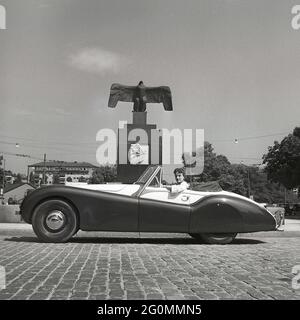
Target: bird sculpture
x,y
140,95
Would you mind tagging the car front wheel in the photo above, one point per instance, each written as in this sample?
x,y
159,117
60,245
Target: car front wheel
x,y
215,238
54,221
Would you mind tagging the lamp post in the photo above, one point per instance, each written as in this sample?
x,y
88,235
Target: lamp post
x,y
248,179
249,186
3,178
44,169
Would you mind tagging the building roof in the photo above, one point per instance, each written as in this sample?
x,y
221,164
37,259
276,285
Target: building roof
x,y
63,164
10,187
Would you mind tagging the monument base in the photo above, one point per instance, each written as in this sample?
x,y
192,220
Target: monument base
x,y
129,169
127,173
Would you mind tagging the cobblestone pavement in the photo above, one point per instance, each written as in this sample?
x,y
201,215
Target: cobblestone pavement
x,y
149,266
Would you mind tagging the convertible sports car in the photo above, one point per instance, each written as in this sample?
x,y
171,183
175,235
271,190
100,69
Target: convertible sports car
x,y
58,212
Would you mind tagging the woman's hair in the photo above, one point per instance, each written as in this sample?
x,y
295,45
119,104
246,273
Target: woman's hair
x,y
179,170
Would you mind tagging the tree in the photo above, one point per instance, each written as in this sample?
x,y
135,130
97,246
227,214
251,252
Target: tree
x,y
97,177
218,168
214,165
235,179
231,183
296,132
1,177
109,172
106,173
18,178
262,189
283,161
55,179
240,178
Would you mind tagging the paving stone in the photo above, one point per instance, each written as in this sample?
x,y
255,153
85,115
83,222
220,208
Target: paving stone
x,y
143,270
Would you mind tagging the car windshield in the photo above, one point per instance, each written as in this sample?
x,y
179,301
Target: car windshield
x,y
146,175
155,181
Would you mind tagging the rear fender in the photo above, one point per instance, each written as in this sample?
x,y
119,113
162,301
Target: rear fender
x,y
226,214
215,214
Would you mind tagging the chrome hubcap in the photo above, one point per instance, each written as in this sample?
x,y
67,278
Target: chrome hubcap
x,y
55,220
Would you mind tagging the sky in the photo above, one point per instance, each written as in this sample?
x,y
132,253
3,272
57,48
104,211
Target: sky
x,y
232,66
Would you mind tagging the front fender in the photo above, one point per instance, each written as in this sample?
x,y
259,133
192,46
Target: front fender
x,y
37,196
228,214
96,210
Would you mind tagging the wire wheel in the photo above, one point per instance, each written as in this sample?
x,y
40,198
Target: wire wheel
x,y
54,221
214,238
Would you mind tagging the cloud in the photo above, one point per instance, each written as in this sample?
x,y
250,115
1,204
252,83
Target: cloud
x,y
21,112
45,113
62,112
98,60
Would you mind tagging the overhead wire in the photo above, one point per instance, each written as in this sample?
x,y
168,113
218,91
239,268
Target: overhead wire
x,y
86,145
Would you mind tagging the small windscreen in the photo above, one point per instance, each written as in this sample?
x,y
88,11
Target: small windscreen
x,y
146,175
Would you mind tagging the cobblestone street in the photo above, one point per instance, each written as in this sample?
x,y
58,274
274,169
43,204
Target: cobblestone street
x,y
149,266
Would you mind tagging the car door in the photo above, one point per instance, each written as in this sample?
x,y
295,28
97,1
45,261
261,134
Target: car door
x,y
104,211
161,211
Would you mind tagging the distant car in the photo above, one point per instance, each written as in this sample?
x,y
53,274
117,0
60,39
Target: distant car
x,y
58,212
291,209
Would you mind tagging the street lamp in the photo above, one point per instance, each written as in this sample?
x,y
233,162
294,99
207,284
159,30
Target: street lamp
x,y
248,178
2,161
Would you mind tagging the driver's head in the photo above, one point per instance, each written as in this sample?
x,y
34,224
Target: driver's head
x,y
179,174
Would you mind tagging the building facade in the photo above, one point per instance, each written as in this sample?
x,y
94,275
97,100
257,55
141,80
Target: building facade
x,y
53,172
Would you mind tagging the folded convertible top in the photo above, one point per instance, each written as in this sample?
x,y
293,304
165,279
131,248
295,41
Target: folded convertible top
x,y
210,186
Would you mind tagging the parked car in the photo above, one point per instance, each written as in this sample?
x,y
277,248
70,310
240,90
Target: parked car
x,y
276,210
292,209
58,212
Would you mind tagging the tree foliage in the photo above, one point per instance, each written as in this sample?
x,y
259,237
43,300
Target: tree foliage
x,y
218,168
18,178
283,161
105,173
1,177
55,178
240,178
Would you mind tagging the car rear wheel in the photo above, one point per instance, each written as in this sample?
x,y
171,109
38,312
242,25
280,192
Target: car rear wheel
x,y
215,238
54,221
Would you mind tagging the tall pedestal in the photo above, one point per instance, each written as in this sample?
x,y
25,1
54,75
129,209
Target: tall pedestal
x,y
139,145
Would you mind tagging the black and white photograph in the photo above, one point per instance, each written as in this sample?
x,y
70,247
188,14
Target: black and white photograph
x,y
150,151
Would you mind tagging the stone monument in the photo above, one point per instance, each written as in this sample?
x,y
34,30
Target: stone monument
x,y
140,143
